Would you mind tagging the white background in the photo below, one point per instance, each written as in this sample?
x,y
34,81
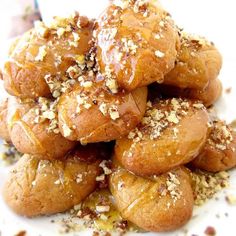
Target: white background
x,y
214,19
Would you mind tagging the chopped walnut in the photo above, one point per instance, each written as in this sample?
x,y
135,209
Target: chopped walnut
x,y
104,166
206,184
47,111
102,208
112,85
83,101
159,54
155,120
41,53
172,186
76,36
60,32
231,199
66,130
113,112
129,46
210,231
10,155
103,108
79,178
41,29
220,136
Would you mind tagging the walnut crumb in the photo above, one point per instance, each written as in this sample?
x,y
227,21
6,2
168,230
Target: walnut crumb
x,y
206,185
103,208
66,130
210,231
112,85
103,108
41,53
41,29
79,178
159,54
100,178
113,112
60,32
231,199
104,166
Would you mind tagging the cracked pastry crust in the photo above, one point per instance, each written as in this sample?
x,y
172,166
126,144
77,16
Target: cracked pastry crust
x,y
36,133
4,133
45,51
93,114
41,187
219,152
161,203
208,96
171,133
198,62
136,42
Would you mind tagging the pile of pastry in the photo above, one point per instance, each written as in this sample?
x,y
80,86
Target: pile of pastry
x,y
118,102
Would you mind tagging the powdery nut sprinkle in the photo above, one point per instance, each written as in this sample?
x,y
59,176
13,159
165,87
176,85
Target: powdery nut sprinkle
x,y
138,5
128,46
231,199
9,154
155,120
159,54
111,110
58,84
206,184
83,101
110,80
172,186
40,28
79,178
220,136
47,111
41,53
104,165
66,130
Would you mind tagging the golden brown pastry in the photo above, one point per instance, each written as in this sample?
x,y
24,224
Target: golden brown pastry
x,y
16,109
4,134
219,152
37,132
207,96
11,110
136,43
40,187
90,113
46,53
161,203
171,133
198,62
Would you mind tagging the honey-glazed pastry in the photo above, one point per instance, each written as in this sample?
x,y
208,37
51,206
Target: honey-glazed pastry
x,y
136,43
4,133
47,53
198,62
16,109
37,132
90,113
41,187
11,110
219,152
171,133
208,96
161,203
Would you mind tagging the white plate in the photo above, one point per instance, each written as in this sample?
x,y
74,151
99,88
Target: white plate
x,y
213,19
